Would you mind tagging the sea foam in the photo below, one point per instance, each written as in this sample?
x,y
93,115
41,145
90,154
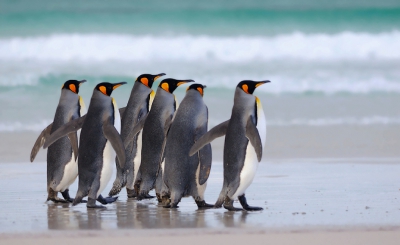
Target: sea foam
x,y
113,47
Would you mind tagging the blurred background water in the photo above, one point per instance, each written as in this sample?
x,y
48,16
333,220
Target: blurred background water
x,y
330,62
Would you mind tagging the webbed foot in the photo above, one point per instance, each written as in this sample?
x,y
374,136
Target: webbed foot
x,y
106,200
204,205
243,202
228,204
92,204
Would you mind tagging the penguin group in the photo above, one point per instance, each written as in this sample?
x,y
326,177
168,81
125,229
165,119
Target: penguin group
x,y
154,143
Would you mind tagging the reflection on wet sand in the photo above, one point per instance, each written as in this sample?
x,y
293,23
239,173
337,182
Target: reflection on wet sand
x,y
131,214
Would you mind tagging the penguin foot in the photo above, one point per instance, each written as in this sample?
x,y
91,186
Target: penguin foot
x,y
204,205
131,193
228,204
232,208
92,204
172,206
57,200
95,206
247,207
66,196
106,200
144,196
252,208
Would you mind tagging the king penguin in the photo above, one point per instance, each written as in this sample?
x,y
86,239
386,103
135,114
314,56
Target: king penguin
x,y
133,117
99,134
187,175
155,128
62,168
245,136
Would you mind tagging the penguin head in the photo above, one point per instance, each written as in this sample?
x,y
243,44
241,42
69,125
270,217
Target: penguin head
x,y
107,88
249,86
148,79
198,87
171,84
73,85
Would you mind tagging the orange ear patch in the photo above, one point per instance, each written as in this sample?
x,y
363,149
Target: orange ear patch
x,y
103,89
245,88
200,90
165,86
72,87
145,81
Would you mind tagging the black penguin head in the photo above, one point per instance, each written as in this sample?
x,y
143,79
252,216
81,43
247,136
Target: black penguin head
x,y
171,84
148,79
107,88
198,87
249,86
73,85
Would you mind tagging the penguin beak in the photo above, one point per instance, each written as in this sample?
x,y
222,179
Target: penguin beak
x,y
80,82
204,86
116,85
184,81
159,75
262,82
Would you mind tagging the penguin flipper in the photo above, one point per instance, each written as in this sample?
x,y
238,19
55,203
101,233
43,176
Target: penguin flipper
x,y
135,130
254,137
121,111
205,157
65,129
40,141
215,132
111,134
74,143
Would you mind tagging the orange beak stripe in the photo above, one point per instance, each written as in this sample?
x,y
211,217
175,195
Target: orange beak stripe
x,y
72,87
180,83
103,90
116,86
145,81
259,84
245,88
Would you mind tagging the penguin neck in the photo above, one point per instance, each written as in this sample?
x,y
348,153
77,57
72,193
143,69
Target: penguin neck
x,y
139,93
243,104
163,99
100,99
67,97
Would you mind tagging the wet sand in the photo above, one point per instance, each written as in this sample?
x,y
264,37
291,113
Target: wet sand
x,y
345,191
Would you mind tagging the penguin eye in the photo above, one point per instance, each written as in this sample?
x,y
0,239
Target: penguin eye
x,y
72,87
245,88
165,86
200,90
145,81
103,89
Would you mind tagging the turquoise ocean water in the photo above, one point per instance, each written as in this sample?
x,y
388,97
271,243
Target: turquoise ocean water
x,y
330,62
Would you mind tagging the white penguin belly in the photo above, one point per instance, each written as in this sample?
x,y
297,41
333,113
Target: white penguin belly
x,y
70,174
251,163
137,159
107,170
